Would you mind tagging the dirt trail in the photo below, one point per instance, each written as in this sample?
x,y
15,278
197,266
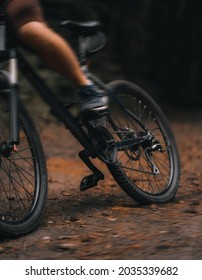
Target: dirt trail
x,y
103,223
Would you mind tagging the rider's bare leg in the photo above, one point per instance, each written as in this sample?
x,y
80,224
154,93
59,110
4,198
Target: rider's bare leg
x,y
59,56
53,49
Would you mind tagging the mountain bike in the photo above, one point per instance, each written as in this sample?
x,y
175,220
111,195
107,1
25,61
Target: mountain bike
x,y
133,138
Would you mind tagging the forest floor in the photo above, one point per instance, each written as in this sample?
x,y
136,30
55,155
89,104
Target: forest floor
x,y
103,222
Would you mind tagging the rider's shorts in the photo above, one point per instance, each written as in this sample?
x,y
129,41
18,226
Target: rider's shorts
x,y
21,12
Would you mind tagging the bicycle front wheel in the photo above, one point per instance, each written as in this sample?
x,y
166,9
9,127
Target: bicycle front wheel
x,y
23,177
148,170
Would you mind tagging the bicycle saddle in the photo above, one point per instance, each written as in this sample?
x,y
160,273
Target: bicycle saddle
x,y
82,28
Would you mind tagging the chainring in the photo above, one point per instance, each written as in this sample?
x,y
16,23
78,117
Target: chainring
x,y
104,144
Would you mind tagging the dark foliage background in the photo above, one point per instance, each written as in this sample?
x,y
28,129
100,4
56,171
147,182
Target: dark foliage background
x,y
153,42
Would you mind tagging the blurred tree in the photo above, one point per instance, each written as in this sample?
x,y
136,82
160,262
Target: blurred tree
x,y
154,39
175,48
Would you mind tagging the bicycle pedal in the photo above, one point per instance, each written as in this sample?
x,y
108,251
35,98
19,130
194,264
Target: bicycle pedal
x,y
89,181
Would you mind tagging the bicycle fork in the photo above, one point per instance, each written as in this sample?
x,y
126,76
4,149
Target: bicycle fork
x,y
14,115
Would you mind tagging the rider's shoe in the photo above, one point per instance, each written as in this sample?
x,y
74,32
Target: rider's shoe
x,y
93,101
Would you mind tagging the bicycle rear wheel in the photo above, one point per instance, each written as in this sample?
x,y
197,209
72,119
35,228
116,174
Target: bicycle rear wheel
x,y
148,170
23,177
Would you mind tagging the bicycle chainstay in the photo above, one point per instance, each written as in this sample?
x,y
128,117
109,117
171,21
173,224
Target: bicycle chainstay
x,y
107,148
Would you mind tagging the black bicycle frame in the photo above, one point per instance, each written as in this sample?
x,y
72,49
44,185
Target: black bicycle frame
x,y
59,110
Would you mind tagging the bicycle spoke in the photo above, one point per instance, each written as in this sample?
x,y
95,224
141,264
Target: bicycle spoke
x,y
17,179
134,160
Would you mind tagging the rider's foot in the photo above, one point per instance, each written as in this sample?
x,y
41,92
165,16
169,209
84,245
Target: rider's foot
x,y
93,100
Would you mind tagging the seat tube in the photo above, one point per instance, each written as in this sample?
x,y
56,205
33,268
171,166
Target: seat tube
x,y
14,117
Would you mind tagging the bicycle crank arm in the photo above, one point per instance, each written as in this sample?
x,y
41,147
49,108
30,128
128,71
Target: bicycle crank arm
x,y
92,179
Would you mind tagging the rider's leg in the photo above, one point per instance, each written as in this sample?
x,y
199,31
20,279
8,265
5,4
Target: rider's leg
x,y
54,50
59,56
27,19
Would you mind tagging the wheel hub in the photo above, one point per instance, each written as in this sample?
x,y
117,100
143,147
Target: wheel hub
x,y
5,149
